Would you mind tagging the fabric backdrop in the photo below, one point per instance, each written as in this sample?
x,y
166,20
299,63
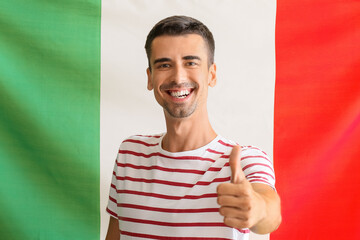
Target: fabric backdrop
x,y
73,85
241,105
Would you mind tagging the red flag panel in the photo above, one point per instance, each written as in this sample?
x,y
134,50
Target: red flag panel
x,y
317,119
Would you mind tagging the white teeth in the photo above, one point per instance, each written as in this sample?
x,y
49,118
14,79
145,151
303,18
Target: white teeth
x,y
180,94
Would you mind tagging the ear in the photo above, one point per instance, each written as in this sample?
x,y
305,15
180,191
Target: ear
x,y
212,75
149,83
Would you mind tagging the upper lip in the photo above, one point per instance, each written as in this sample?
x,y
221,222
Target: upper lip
x,y
178,87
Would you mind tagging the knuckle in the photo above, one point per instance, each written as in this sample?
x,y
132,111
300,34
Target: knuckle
x,y
222,211
247,206
220,200
246,192
219,188
246,217
228,221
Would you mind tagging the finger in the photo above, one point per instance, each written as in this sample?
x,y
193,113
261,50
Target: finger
x,y
234,213
237,223
237,174
238,189
234,202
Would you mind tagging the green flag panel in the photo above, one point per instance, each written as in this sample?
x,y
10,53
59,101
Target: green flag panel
x,y
49,119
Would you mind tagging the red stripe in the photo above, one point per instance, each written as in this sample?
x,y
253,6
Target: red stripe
x,y
112,213
112,199
212,169
259,180
141,142
174,224
163,196
225,144
157,154
150,136
251,147
261,172
243,158
142,235
213,151
257,177
154,167
168,210
243,230
171,183
216,169
246,157
257,164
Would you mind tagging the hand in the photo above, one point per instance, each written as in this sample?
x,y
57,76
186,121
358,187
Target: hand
x,y
240,204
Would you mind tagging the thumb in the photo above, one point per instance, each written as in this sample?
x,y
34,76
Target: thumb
x,y
237,174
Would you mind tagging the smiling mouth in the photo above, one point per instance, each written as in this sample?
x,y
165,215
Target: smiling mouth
x,y
179,94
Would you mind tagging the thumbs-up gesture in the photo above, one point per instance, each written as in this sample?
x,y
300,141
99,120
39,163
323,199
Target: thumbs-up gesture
x,y
240,204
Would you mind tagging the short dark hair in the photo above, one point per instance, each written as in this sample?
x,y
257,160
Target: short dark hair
x,y
181,25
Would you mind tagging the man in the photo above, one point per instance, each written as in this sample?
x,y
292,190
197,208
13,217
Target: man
x,y
188,182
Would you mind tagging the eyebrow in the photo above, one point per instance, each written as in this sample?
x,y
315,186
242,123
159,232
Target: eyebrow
x,y
161,60
190,57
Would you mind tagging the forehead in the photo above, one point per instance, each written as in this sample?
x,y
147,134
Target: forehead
x,y
183,45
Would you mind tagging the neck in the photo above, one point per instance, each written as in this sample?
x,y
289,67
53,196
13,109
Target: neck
x,y
187,134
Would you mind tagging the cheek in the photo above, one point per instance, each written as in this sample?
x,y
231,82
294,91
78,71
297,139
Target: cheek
x,y
159,78
155,84
159,95
199,77
157,91
158,98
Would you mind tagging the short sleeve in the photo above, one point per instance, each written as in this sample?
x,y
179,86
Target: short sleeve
x,y
257,166
112,207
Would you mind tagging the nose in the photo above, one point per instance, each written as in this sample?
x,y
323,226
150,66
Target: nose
x,y
179,74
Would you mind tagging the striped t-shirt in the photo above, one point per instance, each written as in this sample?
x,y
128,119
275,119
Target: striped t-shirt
x,y
156,194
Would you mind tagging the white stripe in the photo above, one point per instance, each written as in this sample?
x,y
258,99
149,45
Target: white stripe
x,y
240,106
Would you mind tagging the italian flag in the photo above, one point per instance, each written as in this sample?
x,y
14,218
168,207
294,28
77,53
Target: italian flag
x,y
73,86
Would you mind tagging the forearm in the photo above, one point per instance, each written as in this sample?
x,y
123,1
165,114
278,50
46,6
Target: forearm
x,y
272,217
113,232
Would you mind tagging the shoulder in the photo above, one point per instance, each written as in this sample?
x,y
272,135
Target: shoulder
x,y
245,148
253,151
141,141
247,151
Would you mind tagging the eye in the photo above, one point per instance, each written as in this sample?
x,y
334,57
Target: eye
x,y
164,65
191,64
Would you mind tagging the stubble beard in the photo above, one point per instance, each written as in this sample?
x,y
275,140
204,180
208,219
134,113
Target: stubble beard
x,y
179,111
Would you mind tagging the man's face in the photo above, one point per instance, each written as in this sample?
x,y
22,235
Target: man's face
x,y
180,74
